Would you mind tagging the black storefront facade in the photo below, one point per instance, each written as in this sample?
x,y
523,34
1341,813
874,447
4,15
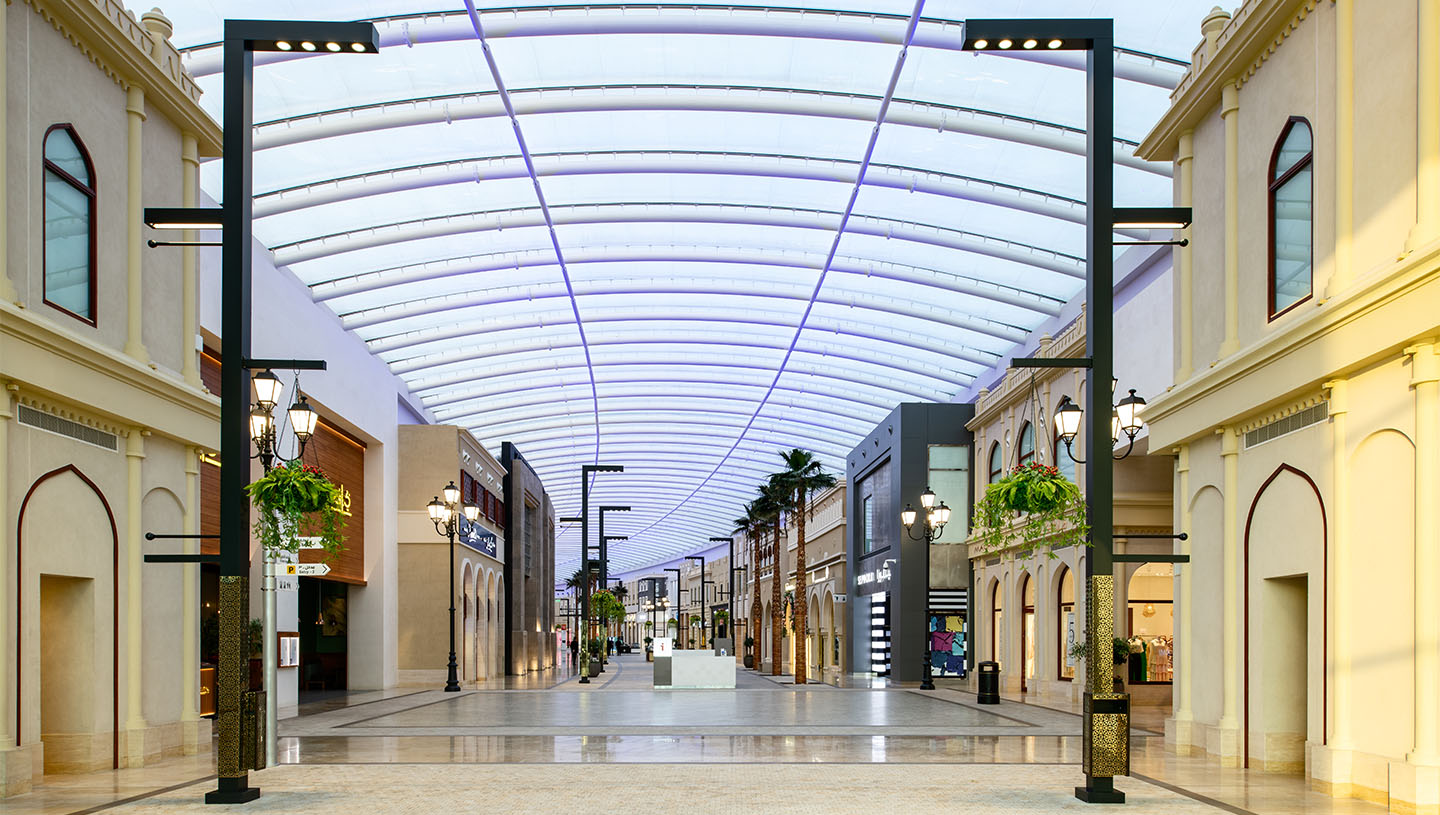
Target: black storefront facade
x,y
888,612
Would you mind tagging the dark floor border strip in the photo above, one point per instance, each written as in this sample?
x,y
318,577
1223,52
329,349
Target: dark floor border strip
x,y
142,796
300,708
445,698
968,706
1204,799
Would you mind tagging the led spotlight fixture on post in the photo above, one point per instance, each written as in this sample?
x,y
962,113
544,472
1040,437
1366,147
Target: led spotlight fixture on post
x,y
586,472
1106,724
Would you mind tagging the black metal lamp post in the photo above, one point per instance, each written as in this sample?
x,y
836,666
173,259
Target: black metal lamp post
x,y
700,558
679,602
1106,714
586,472
730,585
452,518
241,40
605,542
935,519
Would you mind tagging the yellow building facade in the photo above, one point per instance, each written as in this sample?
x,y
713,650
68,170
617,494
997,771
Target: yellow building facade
x,y
103,416
1305,415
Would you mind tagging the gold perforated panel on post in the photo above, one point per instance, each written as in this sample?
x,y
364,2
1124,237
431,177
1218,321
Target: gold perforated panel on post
x,y
1106,735
232,675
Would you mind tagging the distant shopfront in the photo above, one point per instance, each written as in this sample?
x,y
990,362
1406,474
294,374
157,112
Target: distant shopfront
x,y
896,630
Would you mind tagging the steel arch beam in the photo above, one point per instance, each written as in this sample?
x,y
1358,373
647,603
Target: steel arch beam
x,y
479,170
670,212
549,344
711,440
433,359
815,402
872,396
376,280
935,315
397,113
422,390
796,23
478,418
624,418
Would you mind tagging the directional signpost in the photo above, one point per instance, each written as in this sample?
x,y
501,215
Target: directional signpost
x,y
307,569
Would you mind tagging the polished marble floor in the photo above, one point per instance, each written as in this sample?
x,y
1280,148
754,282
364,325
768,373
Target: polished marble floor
x,y
545,743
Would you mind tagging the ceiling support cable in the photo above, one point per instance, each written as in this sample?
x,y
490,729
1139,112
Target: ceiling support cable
x,y
544,209
830,258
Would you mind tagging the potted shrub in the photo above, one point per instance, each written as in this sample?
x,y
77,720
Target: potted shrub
x,y
649,648
749,652
1033,507
593,653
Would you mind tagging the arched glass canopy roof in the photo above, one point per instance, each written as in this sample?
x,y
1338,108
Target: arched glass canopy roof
x,y
683,237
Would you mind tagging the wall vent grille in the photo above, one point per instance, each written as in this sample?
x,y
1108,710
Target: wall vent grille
x,y
1287,425
51,423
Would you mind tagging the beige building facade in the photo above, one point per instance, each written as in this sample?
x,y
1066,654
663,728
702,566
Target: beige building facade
x,y
1305,417
103,416
432,456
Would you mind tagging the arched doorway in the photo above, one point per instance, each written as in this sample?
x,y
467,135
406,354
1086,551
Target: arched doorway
x,y
1067,625
65,530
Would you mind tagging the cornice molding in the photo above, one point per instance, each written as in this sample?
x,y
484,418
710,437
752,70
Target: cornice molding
x,y
1396,288
117,44
1015,386
196,422
1254,33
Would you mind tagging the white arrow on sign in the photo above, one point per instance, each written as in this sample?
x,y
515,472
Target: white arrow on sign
x,y
307,569
310,543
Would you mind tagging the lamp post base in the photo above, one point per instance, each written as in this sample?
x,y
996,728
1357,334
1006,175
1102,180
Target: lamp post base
x,y
1100,791
452,682
235,792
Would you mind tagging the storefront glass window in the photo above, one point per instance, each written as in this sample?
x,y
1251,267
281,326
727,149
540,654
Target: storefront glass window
x,y
950,479
879,519
1151,623
1068,625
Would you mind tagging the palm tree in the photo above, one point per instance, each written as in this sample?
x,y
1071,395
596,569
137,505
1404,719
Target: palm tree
x,y
802,478
772,504
752,525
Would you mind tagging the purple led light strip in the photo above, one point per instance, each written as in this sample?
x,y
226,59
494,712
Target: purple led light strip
x,y
545,208
829,259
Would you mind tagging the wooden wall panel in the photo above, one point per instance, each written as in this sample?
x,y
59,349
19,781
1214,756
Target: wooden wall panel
x,y
342,457
209,472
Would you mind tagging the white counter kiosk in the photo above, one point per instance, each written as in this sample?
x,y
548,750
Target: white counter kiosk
x,y
677,670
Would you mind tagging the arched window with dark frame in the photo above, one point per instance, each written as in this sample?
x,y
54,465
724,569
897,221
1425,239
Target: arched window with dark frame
x,y
1292,196
1027,444
69,246
997,463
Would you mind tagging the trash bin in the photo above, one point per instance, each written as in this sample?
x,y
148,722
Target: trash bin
x,y
989,680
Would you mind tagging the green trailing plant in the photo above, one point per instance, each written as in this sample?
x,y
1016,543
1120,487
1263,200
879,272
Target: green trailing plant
x,y
721,615
672,623
293,501
1033,508
694,619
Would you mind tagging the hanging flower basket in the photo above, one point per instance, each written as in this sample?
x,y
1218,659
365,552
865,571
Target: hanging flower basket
x,y
1033,507
296,501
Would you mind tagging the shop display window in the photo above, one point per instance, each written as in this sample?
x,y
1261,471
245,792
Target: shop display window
x,y
1151,624
1068,624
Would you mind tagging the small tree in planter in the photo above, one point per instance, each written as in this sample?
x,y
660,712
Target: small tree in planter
x,y
1032,507
749,655
295,500
594,651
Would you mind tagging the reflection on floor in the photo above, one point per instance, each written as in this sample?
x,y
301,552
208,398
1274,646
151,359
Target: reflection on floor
x,y
783,748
